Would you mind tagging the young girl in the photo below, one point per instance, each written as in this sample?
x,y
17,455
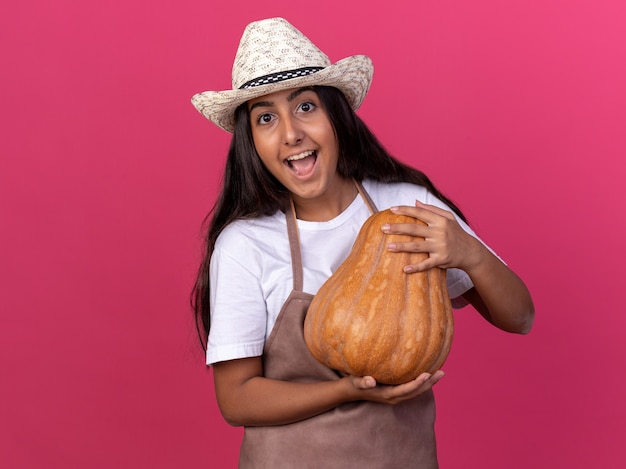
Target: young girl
x,y
302,175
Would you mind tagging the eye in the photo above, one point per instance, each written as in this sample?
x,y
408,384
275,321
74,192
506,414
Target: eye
x,y
306,106
265,118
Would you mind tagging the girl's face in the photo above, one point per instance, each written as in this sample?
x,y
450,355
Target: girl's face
x,y
296,142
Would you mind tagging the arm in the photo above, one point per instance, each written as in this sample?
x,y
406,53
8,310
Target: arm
x,y
245,397
498,294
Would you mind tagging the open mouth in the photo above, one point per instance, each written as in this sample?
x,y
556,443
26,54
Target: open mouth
x,y
302,163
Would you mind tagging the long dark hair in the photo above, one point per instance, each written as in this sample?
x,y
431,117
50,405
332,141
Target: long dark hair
x,y
249,190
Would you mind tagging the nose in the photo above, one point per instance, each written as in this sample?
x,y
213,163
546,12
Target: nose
x,y
292,132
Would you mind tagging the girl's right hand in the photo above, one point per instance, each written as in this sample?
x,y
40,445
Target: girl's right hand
x,y
367,389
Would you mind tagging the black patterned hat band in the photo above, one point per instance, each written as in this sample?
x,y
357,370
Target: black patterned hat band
x,y
280,76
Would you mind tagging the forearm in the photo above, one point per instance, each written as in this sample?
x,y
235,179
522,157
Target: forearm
x,y
263,401
500,295
248,398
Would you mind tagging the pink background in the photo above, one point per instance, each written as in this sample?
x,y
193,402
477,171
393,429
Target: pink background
x,y
516,109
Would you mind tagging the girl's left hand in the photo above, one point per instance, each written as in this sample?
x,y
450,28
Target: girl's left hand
x,y
445,241
498,293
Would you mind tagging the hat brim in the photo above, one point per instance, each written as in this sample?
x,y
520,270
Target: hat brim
x,y
352,75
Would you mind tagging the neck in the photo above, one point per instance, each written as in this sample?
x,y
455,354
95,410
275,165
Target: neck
x,y
327,206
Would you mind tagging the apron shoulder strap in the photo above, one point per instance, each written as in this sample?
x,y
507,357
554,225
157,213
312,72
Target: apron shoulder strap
x,y
294,238
366,197
294,246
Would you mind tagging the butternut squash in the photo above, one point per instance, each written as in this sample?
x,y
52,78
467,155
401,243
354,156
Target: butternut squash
x,y
370,318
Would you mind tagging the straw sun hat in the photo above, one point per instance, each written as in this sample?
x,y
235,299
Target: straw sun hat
x,y
273,56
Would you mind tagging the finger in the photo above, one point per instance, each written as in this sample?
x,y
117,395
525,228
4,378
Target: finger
x,y
365,382
427,381
422,253
423,266
417,230
410,246
433,208
425,212
422,383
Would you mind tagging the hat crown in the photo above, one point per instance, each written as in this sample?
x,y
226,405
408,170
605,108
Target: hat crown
x,y
271,46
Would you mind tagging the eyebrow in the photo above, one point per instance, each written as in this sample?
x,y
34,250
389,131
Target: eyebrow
x,y
290,98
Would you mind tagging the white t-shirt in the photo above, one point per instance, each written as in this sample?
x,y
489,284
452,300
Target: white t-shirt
x,y
251,273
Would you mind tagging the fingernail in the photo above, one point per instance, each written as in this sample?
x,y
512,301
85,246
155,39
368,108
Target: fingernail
x,y
392,246
386,227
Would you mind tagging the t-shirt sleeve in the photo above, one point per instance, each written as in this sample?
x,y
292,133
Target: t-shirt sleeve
x,y
238,310
458,283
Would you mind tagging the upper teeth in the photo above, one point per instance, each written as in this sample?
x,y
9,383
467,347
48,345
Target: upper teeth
x,y
299,156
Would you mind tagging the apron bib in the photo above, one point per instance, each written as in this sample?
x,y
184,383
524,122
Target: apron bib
x,y
353,435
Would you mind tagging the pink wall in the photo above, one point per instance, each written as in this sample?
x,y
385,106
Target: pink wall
x,y
516,109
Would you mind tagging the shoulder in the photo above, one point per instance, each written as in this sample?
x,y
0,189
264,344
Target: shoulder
x,y
252,239
388,194
252,229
